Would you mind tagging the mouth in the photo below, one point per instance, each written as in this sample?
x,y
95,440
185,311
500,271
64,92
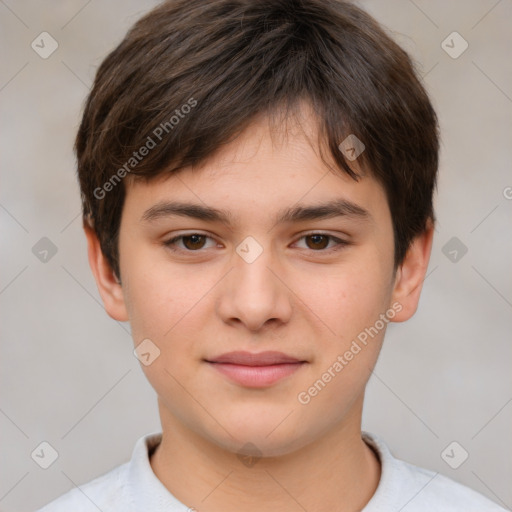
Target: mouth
x,y
255,370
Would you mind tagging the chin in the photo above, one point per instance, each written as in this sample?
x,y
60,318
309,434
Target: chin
x,y
262,446
265,437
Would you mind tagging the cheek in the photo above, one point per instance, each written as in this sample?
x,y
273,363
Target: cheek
x,y
351,304
164,304
158,295
347,298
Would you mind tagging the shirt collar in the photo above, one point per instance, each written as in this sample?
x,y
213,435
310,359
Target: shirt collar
x,y
147,492
144,488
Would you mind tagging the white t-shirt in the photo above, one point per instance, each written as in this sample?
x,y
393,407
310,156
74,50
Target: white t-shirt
x,y
133,487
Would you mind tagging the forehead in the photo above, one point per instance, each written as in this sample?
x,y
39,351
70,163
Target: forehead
x,y
269,167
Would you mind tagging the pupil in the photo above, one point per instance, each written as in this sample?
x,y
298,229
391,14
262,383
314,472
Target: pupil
x,y
197,238
194,239
316,240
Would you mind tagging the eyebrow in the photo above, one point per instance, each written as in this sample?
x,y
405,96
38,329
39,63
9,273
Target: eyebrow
x,y
325,210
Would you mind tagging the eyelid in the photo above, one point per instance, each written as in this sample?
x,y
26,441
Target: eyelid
x,y
340,242
171,241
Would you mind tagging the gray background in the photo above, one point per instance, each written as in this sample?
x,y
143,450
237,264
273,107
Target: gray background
x,y
68,373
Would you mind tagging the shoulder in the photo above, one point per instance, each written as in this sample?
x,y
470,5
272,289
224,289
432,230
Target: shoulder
x,y
432,489
106,493
415,489
129,487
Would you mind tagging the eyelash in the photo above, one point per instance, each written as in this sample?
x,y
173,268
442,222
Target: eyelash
x,y
170,244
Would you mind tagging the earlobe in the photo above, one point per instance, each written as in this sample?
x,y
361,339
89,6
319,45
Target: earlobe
x,y
411,274
109,287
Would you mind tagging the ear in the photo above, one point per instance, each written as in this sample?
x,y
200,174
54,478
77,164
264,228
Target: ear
x,y
109,287
411,274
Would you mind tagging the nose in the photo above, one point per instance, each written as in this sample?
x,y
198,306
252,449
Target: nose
x,y
255,294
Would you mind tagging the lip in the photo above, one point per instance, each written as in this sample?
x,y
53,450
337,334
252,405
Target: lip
x,y
254,359
256,370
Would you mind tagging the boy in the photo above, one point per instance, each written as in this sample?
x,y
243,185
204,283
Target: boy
x,y
257,181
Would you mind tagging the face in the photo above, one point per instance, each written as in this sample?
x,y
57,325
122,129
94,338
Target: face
x,y
259,267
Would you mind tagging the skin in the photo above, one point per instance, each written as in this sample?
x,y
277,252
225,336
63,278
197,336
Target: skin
x,y
297,297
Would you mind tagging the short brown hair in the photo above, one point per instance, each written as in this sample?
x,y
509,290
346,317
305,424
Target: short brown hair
x,y
227,61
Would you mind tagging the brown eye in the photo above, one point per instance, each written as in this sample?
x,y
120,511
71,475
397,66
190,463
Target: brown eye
x,y
189,243
322,243
193,242
318,241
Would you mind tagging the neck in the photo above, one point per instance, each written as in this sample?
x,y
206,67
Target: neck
x,y
338,471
